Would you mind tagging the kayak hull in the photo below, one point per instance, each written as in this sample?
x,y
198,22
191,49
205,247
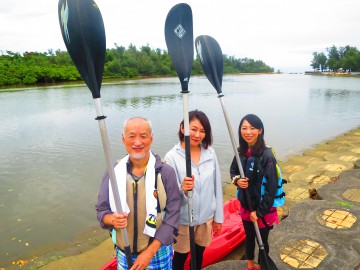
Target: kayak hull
x,y
232,235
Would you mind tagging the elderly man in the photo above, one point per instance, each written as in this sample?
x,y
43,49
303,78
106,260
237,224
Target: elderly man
x,y
150,199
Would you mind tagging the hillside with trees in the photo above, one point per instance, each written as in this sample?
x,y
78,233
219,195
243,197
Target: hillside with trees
x,y
343,58
56,66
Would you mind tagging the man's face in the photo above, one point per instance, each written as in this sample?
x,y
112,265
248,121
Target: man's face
x,y
137,138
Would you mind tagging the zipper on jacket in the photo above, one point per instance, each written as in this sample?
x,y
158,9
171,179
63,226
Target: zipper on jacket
x,y
135,184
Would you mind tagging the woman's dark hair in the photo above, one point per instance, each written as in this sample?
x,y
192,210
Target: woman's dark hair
x,y
259,146
207,141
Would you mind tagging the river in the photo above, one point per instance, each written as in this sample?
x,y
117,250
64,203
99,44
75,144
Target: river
x,y
52,156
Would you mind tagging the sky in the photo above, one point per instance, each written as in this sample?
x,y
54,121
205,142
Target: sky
x,y
282,33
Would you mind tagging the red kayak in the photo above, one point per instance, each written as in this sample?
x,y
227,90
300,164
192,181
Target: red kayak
x,y
232,234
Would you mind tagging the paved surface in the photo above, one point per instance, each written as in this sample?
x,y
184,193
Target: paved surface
x,y
317,234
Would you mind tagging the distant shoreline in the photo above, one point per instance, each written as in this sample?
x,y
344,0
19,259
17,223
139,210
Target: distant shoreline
x,y
109,79
342,74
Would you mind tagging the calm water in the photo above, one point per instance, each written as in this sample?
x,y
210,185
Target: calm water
x,y
52,157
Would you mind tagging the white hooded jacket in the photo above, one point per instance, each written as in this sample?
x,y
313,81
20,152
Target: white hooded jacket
x,y
207,192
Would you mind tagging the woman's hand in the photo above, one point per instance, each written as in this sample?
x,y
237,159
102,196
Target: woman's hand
x,y
216,227
187,184
241,182
119,221
253,216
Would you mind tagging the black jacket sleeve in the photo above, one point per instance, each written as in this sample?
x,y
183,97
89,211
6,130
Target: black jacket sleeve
x,y
234,169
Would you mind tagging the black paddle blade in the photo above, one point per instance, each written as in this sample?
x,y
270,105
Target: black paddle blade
x,y
180,41
82,28
266,262
211,60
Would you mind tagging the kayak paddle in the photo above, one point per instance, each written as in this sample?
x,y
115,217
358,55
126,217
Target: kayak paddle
x,y
180,43
82,28
211,60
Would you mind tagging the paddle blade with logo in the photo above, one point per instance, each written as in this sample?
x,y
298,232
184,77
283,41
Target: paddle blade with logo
x,y
82,29
180,41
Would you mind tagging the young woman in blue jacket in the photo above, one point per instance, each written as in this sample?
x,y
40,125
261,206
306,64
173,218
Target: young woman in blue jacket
x,y
206,185
258,162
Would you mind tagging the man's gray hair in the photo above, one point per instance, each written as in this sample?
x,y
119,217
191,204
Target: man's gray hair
x,y
145,119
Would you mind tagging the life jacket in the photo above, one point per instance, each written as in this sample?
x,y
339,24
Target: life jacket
x,y
136,201
279,199
254,168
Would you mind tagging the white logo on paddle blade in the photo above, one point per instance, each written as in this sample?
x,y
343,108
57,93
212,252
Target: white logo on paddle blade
x,y
199,50
64,20
179,31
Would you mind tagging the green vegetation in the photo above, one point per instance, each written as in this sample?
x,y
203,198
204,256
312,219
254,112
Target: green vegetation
x,y
338,59
57,66
344,204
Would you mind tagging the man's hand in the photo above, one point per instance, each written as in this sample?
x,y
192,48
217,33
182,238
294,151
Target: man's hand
x,y
119,221
142,261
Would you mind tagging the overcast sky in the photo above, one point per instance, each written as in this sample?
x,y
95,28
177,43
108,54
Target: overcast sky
x,y
282,33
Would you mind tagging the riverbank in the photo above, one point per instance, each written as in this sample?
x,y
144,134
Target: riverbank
x,y
341,74
315,168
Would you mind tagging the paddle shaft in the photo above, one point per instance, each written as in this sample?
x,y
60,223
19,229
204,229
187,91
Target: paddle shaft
x,y
180,43
242,175
106,145
211,59
189,174
83,31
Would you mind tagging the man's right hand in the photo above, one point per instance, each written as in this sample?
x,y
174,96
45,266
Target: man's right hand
x,y
119,221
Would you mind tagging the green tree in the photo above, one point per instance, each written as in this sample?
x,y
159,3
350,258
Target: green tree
x,y
333,58
350,58
57,66
319,61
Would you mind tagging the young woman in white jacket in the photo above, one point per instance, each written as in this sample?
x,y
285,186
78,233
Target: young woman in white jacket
x,y
206,185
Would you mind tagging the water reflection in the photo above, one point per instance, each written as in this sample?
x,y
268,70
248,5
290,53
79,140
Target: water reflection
x,y
147,101
332,93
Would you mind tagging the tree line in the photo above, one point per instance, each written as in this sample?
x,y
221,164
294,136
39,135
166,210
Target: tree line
x,y
56,66
342,58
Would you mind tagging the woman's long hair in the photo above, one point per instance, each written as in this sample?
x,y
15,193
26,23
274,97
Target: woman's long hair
x,y
259,146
